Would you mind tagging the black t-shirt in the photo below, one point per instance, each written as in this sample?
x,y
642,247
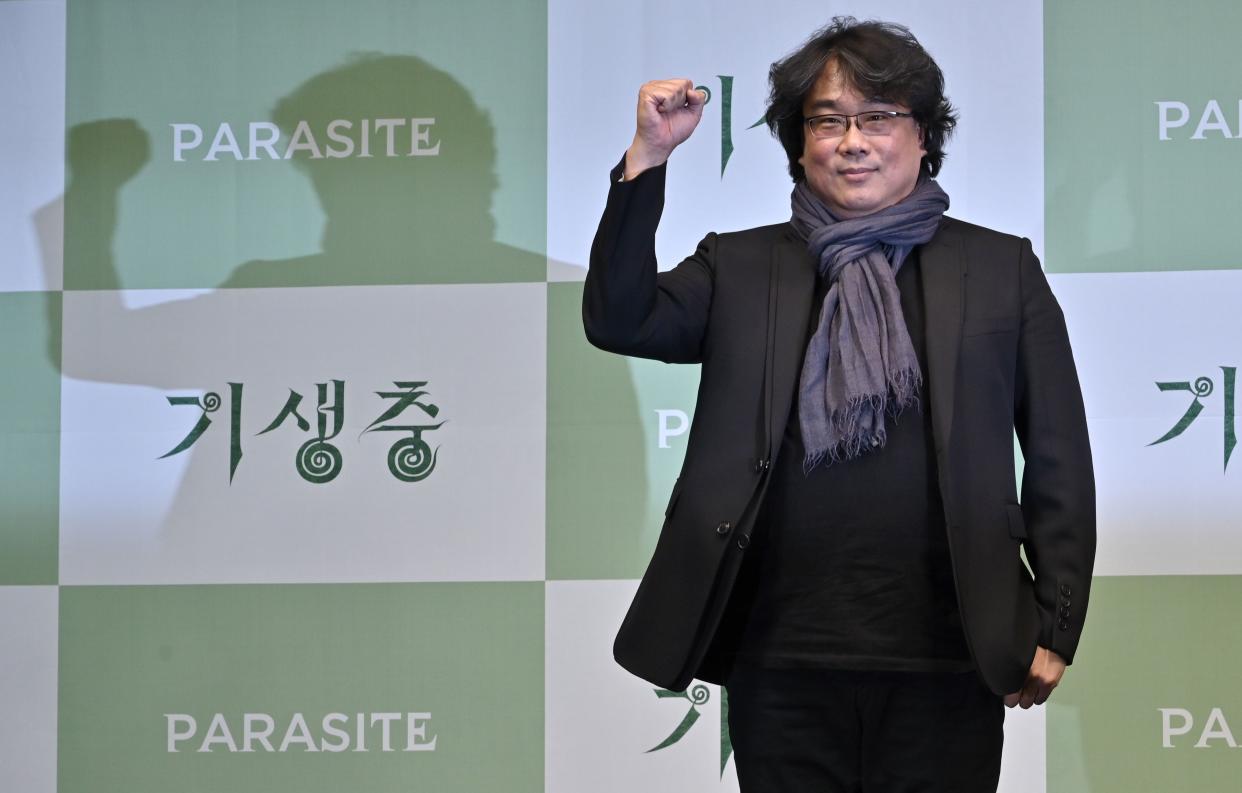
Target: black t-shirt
x,y
849,567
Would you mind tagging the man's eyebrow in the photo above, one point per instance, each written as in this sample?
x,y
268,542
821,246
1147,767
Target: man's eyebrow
x,y
824,104
831,104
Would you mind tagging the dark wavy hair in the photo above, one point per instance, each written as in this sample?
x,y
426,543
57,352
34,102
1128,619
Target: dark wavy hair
x,y
881,61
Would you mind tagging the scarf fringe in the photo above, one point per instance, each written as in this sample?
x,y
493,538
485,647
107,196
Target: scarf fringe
x,y
850,423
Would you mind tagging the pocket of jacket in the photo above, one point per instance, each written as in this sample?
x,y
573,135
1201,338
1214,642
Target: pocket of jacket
x,y
1017,525
988,325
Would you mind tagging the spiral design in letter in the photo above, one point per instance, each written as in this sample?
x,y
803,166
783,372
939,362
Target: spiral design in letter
x,y
411,459
318,462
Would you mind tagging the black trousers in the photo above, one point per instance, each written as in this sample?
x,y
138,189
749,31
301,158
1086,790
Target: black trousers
x,y
830,731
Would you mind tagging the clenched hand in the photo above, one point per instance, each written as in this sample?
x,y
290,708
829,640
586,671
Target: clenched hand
x,y
1045,674
668,111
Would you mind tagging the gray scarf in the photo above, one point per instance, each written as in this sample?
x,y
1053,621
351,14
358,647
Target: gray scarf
x,y
860,362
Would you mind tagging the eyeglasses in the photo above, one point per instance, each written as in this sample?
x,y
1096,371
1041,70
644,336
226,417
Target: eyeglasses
x,y
870,122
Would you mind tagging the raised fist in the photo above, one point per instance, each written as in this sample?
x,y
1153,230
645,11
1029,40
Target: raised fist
x,y
668,111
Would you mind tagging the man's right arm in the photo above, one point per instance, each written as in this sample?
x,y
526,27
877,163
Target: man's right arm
x,y
627,306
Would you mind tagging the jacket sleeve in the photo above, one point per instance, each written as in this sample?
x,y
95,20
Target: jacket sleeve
x,y
1058,484
627,306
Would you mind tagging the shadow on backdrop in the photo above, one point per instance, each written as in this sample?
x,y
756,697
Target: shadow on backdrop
x,y
387,220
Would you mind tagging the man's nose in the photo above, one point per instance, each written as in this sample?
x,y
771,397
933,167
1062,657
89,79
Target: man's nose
x,y
853,141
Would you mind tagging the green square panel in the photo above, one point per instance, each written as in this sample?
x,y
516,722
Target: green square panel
x,y
1142,120
384,688
304,143
29,436
617,430
1152,701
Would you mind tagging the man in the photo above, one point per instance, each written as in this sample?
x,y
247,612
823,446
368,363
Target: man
x,y
842,547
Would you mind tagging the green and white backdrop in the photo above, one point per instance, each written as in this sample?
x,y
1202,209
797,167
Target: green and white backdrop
x,y
309,481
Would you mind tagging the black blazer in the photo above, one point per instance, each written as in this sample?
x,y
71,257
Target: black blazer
x,y
998,361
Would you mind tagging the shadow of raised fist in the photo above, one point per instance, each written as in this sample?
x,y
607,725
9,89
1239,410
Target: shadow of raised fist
x,y
112,150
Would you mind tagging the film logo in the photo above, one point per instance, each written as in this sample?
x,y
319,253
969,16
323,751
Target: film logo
x,y
338,139
334,732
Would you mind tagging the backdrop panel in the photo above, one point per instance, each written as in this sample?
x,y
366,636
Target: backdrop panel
x,y
1143,109
28,675
29,436
293,143
732,174
359,434
32,143
617,432
1156,707
236,688
1161,402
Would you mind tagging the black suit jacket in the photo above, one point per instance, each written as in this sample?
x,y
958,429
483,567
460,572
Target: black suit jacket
x,y
998,361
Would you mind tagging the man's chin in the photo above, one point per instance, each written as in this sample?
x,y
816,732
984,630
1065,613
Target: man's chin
x,y
856,207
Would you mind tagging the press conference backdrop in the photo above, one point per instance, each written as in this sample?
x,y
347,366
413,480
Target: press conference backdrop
x,y
309,481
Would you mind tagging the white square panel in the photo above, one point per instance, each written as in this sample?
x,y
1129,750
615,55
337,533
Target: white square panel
x,y
32,144
991,55
128,516
28,664
1169,508
1023,767
602,722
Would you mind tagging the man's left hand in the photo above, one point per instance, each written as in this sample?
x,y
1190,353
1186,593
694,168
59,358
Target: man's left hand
x,y
1046,671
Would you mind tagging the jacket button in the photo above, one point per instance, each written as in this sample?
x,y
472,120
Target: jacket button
x,y
1065,611
1063,625
724,528
743,541
1065,590
1065,601
762,465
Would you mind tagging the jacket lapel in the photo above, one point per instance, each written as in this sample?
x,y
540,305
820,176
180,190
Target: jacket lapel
x,y
795,291
944,279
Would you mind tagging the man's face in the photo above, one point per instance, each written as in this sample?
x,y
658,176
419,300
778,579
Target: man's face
x,y
857,174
